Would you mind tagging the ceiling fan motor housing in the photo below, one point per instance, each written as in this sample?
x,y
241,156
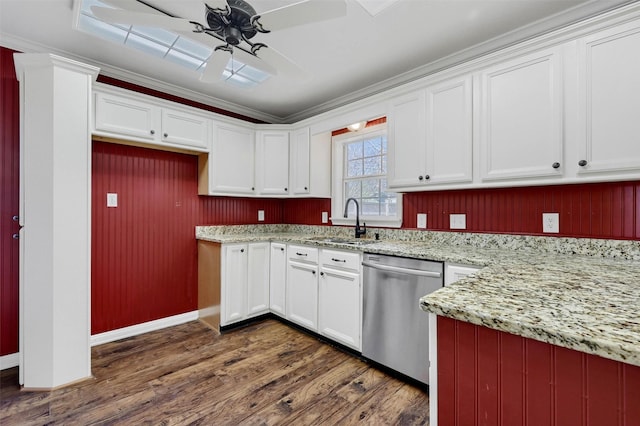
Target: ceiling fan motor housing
x,y
231,27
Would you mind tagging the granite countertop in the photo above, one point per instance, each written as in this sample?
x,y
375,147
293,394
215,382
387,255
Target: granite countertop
x,y
575,293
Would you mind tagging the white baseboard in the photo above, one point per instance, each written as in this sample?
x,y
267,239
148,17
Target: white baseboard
x,y
145,327
9,361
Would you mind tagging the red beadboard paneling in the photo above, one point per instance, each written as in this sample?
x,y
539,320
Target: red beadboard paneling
x,y
9,202
239,211
143,251
535,383
305,211
590,210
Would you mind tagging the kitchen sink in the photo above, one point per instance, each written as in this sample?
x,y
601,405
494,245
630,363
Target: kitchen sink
x,y
342,240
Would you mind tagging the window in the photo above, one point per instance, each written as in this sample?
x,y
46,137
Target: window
x,y
360,172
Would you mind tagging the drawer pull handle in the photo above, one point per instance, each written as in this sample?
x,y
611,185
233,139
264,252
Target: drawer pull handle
x,y
338,260
301,254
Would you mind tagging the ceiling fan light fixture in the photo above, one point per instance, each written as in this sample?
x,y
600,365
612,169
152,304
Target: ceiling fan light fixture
x,y
357,126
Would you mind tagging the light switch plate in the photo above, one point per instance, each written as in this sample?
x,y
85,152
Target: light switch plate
x,y
325,217
260,215
112,199
551,223
422,220
458,221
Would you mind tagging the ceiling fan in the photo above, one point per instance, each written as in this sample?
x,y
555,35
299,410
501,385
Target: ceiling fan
x,y
235,23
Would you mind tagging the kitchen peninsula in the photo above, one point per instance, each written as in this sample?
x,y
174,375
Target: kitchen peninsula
x,y
547,331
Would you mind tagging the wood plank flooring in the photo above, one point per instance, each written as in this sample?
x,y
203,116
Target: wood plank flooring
x,y
264,374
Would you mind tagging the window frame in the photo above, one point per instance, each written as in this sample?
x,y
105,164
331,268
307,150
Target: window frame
x,y
337,174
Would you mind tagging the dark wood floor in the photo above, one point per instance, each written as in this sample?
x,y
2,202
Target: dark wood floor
x,y
265,373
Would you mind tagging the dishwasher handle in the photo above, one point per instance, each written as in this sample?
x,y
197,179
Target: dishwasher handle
x,y
408,271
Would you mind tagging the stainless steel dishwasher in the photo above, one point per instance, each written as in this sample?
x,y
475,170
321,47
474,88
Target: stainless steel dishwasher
x,y
395,331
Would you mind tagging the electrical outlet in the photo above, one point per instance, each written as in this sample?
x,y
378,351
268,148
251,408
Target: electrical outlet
x,y
458,221
325,217
551,223
112,199
260,215
422,220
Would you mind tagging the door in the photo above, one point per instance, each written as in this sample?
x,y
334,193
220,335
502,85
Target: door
x,y
521,117
302,294
339,306
609,90
231,162
278,278
234,283
272,160
258,279
406,134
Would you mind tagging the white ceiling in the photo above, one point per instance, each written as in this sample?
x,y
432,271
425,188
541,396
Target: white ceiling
x,y
347,58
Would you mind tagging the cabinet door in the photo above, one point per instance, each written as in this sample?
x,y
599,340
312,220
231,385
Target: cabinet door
x,y
258,279
234,283
339,306
126,117
609,90
231,160
272,161
449,132
300,161
302,294
181,128
406,135
278,278
521,118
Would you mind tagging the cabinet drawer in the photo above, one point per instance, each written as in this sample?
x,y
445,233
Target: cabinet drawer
x,y
303,253
340,259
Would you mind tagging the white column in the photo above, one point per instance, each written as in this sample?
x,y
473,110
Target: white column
x,y
55,279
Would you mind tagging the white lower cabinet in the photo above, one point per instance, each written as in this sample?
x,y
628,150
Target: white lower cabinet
x,y
278,279
302,287
245,281
340,296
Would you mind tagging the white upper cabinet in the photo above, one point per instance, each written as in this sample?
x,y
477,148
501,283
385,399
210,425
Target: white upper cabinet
x,y
406,136
181,128
272,162
449,127
300,161
126,117
609,101
119,116
231,161
521,117
430,136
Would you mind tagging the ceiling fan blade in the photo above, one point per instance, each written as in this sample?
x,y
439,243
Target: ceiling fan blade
x,y
256,62
215,67
304,12
284,65
126,17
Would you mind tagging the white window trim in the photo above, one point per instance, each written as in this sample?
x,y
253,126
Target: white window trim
x,y
337,172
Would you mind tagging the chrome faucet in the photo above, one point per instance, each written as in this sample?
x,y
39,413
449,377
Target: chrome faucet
x,y
359,231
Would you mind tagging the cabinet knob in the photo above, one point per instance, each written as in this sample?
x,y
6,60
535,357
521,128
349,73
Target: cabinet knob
x,y
153,132
285,190
420,178
16,236
15,218
582,163
241,250
253,189
306,189
313,272
322,274
166,135
427,177
281,248
556,165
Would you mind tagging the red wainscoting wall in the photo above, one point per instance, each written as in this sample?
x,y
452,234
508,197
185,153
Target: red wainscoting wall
x,y
9,202
487,377
144,254
305,211
595,210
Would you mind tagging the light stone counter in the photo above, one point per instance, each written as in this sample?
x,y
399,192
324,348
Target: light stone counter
x,y
582,294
